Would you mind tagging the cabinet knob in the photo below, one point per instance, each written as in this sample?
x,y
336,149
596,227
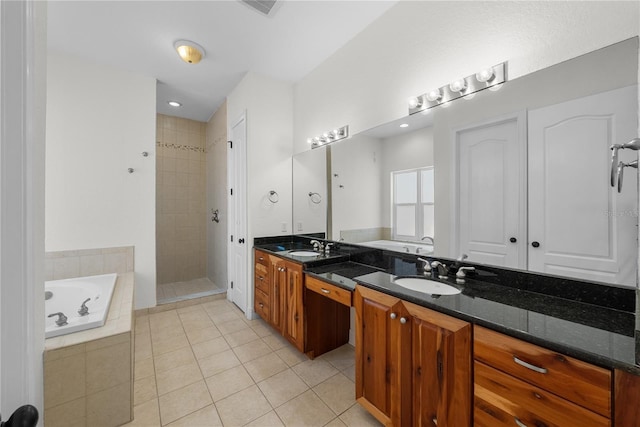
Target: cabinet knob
x,y
518,422
535,244
261,259
393,315
261,305
434,421
403,320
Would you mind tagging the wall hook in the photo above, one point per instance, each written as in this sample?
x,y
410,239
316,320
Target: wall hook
x,y
130,170
145,154
315,198
273,196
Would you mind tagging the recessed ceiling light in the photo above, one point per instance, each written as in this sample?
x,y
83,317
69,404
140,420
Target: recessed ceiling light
x,y
174,104
189,52
404,125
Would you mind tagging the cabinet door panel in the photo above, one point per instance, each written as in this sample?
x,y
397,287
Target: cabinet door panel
x,y
441,362
377,350
278,280
293,308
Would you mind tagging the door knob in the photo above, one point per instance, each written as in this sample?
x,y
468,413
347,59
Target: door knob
x,y
535,244
241,241
513,240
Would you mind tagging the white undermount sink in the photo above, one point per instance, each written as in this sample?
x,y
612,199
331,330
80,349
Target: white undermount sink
x,y
427,286
303,253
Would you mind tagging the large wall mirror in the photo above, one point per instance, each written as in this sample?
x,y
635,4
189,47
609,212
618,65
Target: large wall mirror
x,y
517,177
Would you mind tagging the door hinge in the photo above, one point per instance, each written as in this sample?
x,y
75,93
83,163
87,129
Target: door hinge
x,y
230,144
232,237
231,190
232,284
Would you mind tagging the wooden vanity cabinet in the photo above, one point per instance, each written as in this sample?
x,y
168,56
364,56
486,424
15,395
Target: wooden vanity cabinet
x,y
278,295
413,365
519,383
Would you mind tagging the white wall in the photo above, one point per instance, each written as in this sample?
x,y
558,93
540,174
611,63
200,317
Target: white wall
x,y
268,104
417,46
99,121
216,152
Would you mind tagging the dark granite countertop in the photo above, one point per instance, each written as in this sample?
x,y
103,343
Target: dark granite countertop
x,y
586,320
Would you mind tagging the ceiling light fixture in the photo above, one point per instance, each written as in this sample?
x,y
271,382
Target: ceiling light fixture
x,y
189,52
174,103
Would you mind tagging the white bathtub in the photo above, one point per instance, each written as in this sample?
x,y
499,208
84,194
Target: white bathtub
x,y
392,245
67,297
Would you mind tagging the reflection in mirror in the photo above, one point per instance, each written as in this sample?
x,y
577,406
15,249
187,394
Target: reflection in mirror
x,y
310,198
521,174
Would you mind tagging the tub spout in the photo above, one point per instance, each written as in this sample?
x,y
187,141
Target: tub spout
x,y
62,319
84,310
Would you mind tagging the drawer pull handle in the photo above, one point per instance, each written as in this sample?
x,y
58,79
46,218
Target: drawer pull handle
x,y
325,291
434,421
529,366
260,277
518,422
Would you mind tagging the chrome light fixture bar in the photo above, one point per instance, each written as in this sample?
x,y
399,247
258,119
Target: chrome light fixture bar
x,y
484,79
329,137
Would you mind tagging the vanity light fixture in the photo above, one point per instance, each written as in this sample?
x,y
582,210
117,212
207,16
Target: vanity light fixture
x,y
174,103
188,51
484,79
329,137
433,95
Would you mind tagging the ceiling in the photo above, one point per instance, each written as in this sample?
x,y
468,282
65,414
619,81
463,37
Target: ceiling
x,y
138,36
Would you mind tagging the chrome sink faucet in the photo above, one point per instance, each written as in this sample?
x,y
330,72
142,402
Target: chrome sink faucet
x,y
428,239
442,269
61,320
317,246
84,310
327,249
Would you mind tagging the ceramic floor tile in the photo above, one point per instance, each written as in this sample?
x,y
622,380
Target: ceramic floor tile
x,y
265,366
144,390
174,359
241,337
217,363
252,350
207,416
243,407
356,416
228,382
313,372
177,378
263,330
233,326
208,348
305,410
270,419
143,369
184,401
146,415
201,335
341,358
291,356
282,387
338,393
276,342
170,344
350,373
335,423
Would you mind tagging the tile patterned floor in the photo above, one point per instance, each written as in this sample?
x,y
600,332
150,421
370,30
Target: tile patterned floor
x,y
207,365
178,291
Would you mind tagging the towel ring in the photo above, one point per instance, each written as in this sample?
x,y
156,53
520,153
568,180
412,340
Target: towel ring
x,y
315,197
273,196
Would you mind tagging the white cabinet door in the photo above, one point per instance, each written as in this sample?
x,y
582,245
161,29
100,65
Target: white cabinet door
x,y
579,226
491,204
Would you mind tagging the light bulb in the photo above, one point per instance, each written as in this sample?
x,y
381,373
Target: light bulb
x,y
415,102
434,95
309,141
458,85
336,132
485,75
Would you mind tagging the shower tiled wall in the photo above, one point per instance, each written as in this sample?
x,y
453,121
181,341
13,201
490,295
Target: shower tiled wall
x,y
181,243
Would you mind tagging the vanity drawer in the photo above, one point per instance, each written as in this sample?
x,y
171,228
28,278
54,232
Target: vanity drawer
x,y
575,380
262,282
262,258
328,290
502,400
261,304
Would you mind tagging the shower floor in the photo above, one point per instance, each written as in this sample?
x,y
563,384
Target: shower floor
x,y
179,291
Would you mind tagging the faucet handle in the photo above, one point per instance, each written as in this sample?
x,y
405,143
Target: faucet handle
x,y
61,320
84,310
462,272
427,265
327,248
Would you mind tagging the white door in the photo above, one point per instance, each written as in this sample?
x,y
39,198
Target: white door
x,y
491,169
238,252
579,226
